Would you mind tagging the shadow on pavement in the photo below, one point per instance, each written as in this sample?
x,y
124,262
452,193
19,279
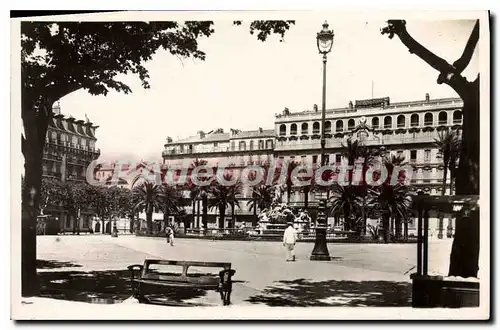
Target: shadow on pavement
x,y
302,293
104,287
49,264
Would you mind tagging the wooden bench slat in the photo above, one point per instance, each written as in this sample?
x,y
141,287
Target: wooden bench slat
x,y
187,263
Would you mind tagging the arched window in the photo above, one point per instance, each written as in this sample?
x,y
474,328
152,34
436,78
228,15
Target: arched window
x,y
401,121
269,144
315,127
328,126
251,144
414,120
457,117
282,129
443,118
293,129
339,126
375,122
261,144
305,129
428,119
350,124
388,122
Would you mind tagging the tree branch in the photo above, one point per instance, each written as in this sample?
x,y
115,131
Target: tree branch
x,y
464,60
398,27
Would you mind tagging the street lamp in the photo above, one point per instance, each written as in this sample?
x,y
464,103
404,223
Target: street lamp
x,y
324,41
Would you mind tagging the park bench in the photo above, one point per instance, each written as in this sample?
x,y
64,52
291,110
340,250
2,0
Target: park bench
x,y
150,278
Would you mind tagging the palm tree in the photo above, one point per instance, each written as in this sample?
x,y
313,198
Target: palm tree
x,y
344,201
200,191
171,201
149,200
262,197
224,196
351,151
391,201
391,162
369,157
447,144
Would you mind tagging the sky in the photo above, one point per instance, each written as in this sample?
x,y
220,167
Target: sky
x,y
244,82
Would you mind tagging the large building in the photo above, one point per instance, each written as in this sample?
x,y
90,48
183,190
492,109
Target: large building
x,y
404,128
70,146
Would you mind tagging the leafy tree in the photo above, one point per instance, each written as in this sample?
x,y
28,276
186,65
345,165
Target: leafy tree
x,y
101,204
75,198
58,58
223,196
464,258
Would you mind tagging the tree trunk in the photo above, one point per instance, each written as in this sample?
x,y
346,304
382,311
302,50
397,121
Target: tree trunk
x,y
222,217
205,214
194,212
443,192
398,228
29,205
288,194
306,199
233,220
385,224
405,230
149,222
131,226
464,259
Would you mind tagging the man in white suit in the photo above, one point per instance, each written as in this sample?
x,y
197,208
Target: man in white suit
x,y
289,240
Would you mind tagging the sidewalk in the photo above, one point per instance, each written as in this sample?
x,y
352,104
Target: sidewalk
x,y
93,268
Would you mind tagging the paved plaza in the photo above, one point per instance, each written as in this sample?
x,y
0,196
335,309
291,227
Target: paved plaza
x,y
92,268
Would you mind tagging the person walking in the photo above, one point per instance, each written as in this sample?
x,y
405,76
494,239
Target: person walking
x,y
289,240
170,235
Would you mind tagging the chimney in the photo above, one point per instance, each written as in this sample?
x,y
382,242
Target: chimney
x,y
350,105
201,134
427,97
315,108
56,108
260,129
169,139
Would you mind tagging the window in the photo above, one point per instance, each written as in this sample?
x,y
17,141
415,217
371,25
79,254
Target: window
x,y
190,148
293,129
401,121
315,159
443,118
328,126
305,129
457,117
261,144
182,148
269,144
388,122
215,144
414,120
243,146
427,155
339,126
375,122
233,145
413,155
251,145
282,129
338,158
350,124
428,119
316,128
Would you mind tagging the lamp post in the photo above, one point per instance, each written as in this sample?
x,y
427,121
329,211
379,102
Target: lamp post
x,y
324,40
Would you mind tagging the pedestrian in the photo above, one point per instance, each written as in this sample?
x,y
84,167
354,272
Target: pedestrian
x,y
289,240
170,235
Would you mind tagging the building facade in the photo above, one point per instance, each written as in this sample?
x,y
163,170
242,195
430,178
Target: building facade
x,y
70,146
408,129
